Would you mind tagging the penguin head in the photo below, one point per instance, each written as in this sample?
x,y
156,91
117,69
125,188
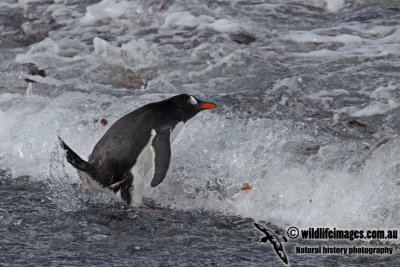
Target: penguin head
x,y
188,106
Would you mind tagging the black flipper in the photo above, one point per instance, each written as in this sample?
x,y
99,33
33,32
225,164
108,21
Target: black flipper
x,y
75,160
162,156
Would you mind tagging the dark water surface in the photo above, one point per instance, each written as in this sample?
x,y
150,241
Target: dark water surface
x,y
35,232
308,111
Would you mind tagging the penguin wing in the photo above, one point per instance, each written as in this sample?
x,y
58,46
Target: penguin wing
x,y
161,148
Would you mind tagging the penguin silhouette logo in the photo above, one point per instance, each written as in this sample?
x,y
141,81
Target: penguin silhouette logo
x,y
271,237
134,144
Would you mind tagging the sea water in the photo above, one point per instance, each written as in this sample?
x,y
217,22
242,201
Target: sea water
x,y
308,115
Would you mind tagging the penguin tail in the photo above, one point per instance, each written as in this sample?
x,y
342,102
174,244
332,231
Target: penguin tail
x,y
74,159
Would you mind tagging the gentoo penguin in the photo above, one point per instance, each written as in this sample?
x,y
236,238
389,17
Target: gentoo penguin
x,y
132,145
271,237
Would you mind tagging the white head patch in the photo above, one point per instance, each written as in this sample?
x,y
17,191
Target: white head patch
x,y
192,100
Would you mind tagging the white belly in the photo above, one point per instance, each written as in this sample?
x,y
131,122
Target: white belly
x,y
142,166
144,163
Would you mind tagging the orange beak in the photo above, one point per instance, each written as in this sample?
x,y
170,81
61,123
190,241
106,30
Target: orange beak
x,y
208,106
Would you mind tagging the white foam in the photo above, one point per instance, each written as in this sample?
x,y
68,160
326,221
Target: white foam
x,y
324,93
133,55
44,49
186,19
334,6
48,53
5,97
28,90
105,9
374,41
27,1
318,38
375,108
382,101
225,25
384,92
317,191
